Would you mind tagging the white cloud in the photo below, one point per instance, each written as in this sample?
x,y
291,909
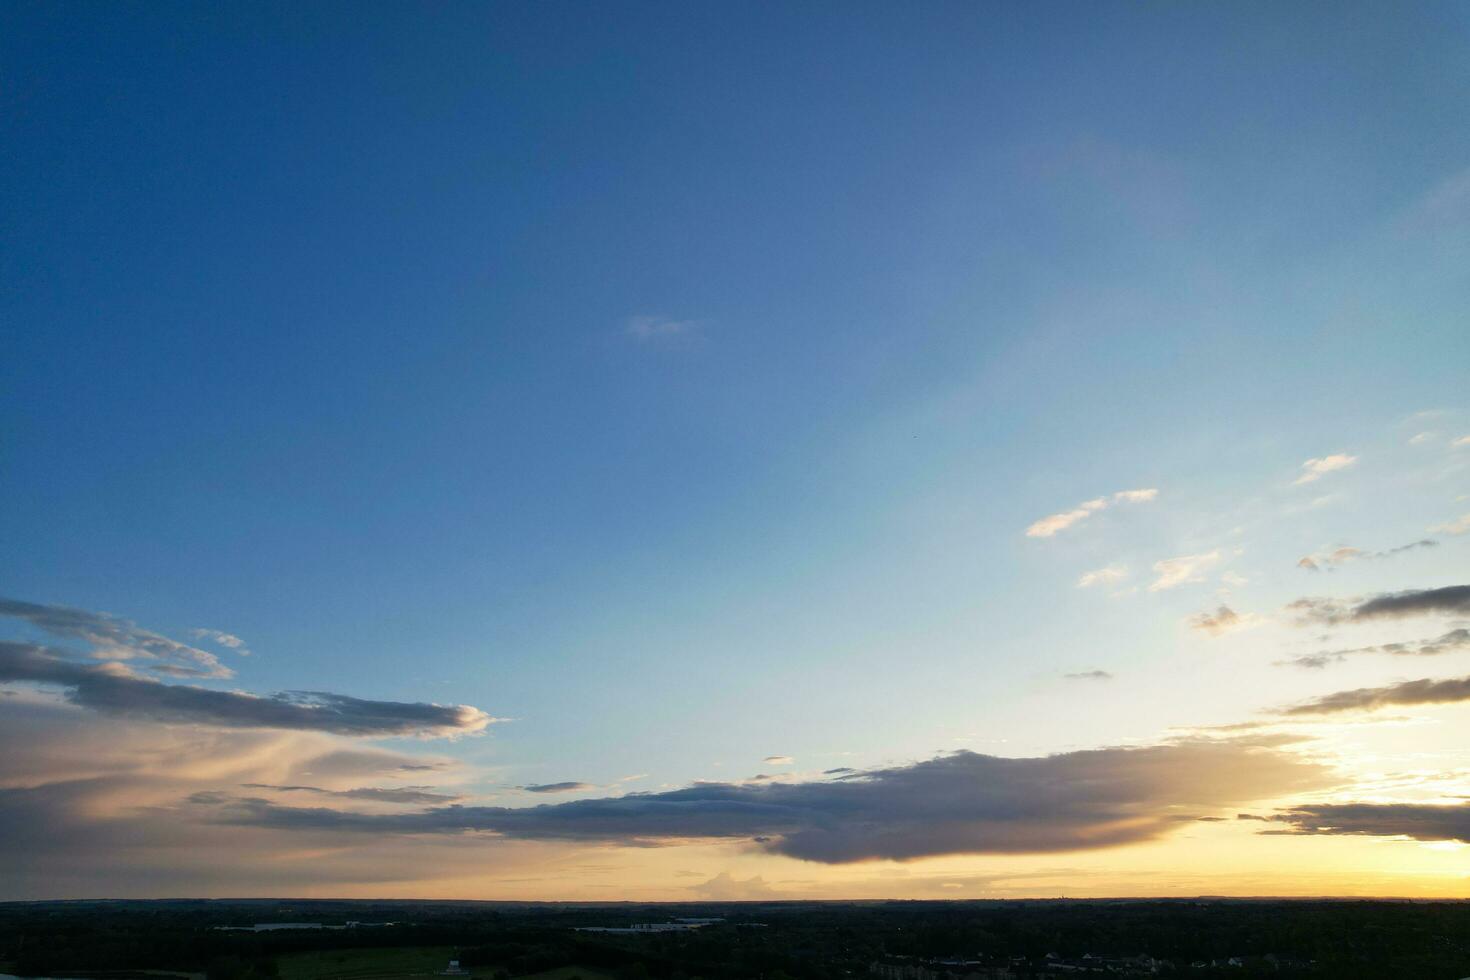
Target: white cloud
x,y
1462,441
1100,576
223,639
1232,579
647,328
1185,568
1050,525
1422,438
1315,469
1459,525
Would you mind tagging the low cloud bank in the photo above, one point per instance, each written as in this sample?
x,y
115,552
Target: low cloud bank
x,y
964,803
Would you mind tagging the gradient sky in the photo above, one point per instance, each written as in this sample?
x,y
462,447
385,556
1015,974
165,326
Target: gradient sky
x,y
841,450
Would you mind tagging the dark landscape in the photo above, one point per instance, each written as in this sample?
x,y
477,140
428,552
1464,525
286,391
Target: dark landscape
x,y
369,940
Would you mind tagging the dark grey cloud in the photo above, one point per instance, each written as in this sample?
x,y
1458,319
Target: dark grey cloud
x,y
1420,821
570,786
418,795
1455,641
113,638
1367,698
1089,675
1450,600
111,689
963,803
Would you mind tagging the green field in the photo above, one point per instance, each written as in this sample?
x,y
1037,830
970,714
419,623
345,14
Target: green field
x,y
366,964
396,962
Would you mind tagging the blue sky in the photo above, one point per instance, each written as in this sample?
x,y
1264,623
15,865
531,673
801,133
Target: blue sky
x,y
679,382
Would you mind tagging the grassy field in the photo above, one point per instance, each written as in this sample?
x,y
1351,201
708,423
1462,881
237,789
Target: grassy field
x,y
366,964
395,963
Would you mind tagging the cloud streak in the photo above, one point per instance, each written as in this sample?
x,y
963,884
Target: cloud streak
x,y
1419,821
1314,469
112,689
1454,641
1418,692
1174,572
1055,523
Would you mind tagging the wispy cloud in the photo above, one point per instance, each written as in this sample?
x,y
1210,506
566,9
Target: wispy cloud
x,y
1186,568
1222,620
1315,469
1459,525
569,786
1454,641
647,328
1461,442
778,760
1089,675
229,640
1102,576
1341,556
1054,523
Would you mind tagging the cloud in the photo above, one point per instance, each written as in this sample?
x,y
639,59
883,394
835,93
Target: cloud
x,y
1048,526
1455,641
725,888
1185,568
112,638
964,803
229,640
1222,620
1369,698
112,689
779,760
1422,438
92,805
647,328
1459,525
1315,469
418,795
1341,556
1089,675
1461,442
1419,821
1453,599
1102,576
570,786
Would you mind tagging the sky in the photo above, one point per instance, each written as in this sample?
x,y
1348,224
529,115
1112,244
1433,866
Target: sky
x,y
665,451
